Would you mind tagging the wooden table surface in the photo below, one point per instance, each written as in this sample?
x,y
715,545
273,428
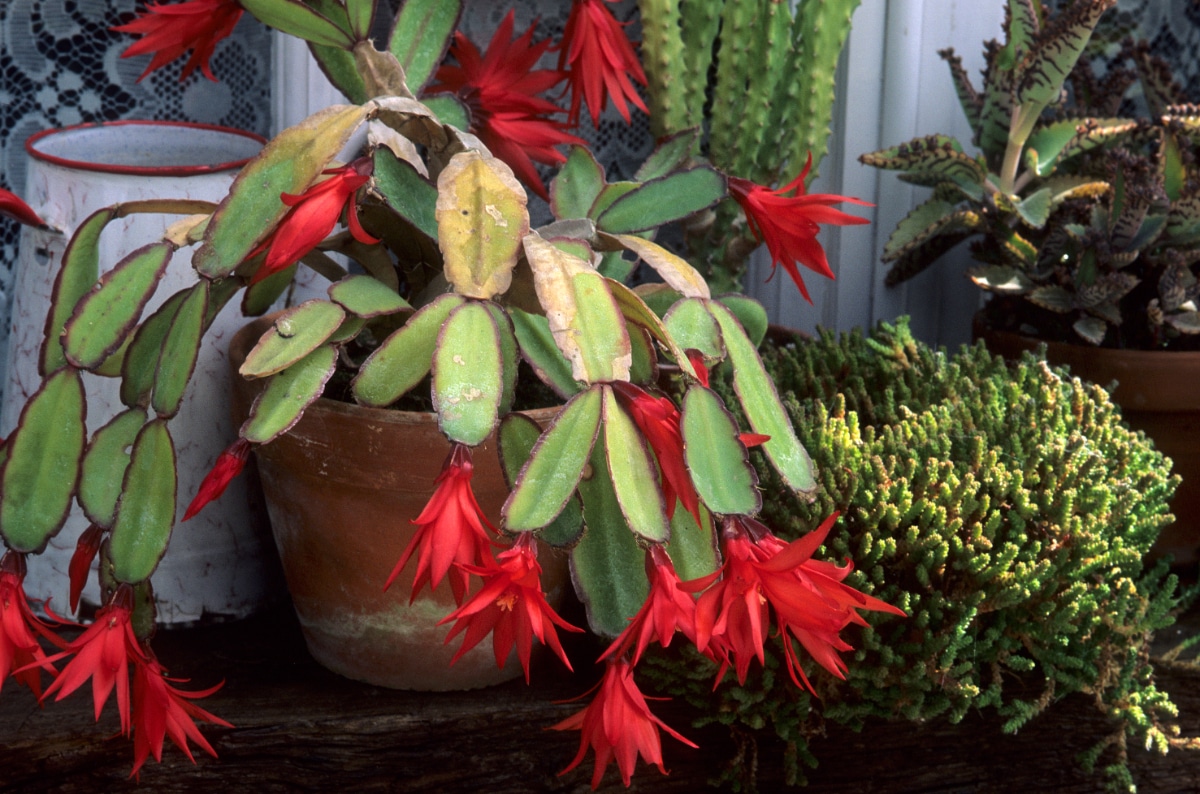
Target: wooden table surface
x,y
300,728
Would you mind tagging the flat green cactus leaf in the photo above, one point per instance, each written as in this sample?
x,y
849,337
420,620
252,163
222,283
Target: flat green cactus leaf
x,y
933,157
43,461
613,265
294,334
104,466
404,358
608,566
146,507
515,439
761,402
539,351
693,548
410,195
288,164
106,315
715,458
552,472
288,395
693,328
180,349
297,19
633,472
1053,55
339,67
608,195
258,298
1050,145
750,313
577,185
643,369
675,270
421,36
481,216
659,298
77,275
449,109
140,364
349,329
637,312
670,154
366,297
510,356
467,374
663,200
359,13
927,220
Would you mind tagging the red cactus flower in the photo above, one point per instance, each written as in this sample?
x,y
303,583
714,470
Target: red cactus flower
x,y
21,656
313,215
618,724
102,653
760,572
500,88
788,224
229,465
511,606
658,419
169,31
753,439
697,360
11,206
160,710
601,61
450,534
666,609
86,549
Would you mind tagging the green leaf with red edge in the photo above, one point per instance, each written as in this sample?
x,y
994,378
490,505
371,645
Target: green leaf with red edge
x,y
140,366
633,472
762,406
294,334
542,355
557,462
693,548
104,466
146,508
180,349
609,194
296,19
608,566
510,356
516,438
692,326
407,193
259,297
636,311
750,313
643,369
716,459
360,13
366,297
43,461
104,317
467,365
421,36
675,270
288,395
340,68
79,271
577,184
404,358
663,200
659,298
288,164
671,154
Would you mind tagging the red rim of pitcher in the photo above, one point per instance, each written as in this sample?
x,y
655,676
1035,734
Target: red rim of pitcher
x,y
140,170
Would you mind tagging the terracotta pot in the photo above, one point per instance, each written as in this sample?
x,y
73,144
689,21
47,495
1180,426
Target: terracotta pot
x,y
1159,394
342,487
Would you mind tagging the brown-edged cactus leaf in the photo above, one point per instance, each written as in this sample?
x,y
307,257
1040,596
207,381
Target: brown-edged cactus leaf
x,y
675,270
288,164
750,313
294,334
481,217
693,328
761,403
633,473
297,19
288,394
140,365
716,459
693,547
104,466
542,355
404,358
339,67
78,273
515,439
467,374
366,297
421,36
670,154
180,349
662,200
409,194
146,508
510,356
555,465
42,464
577,184
643,367
608,195
636,311
258,298
359,14
659,298
104,317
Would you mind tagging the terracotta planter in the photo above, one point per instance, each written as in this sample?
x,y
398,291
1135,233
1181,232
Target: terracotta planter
x,y
342,487
1159,394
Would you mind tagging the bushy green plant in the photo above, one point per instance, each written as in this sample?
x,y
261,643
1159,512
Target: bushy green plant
x,y
1008,511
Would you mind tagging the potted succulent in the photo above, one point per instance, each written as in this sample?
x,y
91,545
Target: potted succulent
x,y
1084,223
642,473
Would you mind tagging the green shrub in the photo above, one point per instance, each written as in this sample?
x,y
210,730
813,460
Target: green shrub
x,y
1007,510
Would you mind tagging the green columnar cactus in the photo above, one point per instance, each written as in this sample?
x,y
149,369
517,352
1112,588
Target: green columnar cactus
x,y
1008,511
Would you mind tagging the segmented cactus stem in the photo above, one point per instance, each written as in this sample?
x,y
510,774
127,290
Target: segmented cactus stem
x,y
662,58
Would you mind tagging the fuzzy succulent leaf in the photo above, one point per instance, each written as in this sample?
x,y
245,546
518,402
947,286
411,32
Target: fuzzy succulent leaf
x,y
1185,322
1054,298
420,37
716,459
1001,278
403,359
294,334
663,200
468,382
146,508
577,185
104,465
633,473
1091,329
515,439
281,405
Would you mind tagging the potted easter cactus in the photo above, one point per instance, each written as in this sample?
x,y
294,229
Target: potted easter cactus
x,y
1082,223
440,288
